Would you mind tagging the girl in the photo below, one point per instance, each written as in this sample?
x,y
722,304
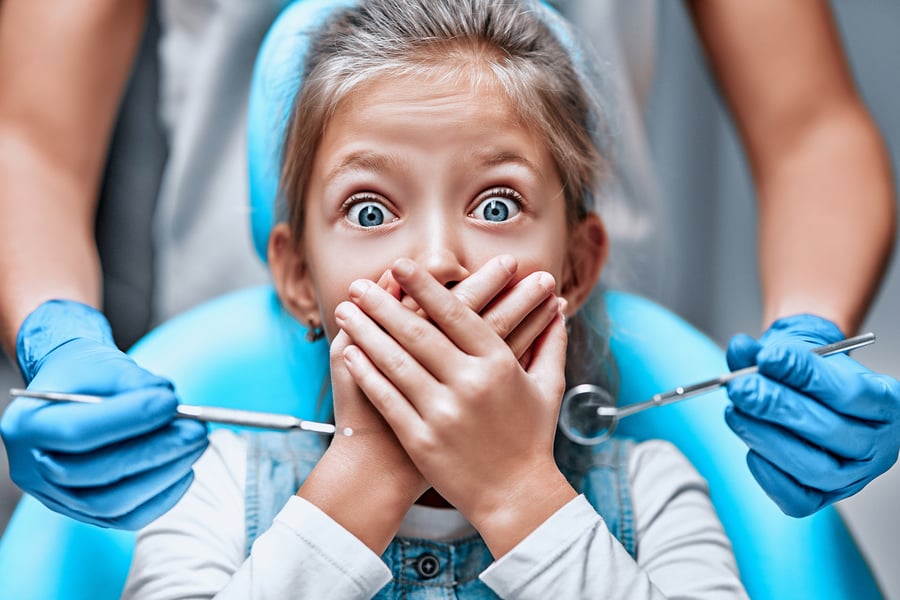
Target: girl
x,y
433,145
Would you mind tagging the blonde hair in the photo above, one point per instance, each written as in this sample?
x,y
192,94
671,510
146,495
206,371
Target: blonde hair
x,y
514,45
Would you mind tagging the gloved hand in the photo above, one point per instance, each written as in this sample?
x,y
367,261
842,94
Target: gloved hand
x,y
121,463
819,428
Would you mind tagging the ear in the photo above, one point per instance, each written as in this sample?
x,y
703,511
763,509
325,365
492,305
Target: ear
x,y
587,251
287,262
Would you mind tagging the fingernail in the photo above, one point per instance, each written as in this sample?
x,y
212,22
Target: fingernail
x,y
350,354
403,267
342,312
509,263
358,289
563,307
546,281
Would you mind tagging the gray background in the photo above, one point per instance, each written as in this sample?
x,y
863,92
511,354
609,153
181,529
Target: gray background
x,y
708,236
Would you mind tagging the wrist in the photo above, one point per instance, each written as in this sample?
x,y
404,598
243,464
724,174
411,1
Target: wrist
x,y
52,324
365,494
839,320
803,327
509,515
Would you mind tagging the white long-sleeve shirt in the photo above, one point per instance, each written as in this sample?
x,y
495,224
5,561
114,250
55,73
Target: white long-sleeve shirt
x,y
197,550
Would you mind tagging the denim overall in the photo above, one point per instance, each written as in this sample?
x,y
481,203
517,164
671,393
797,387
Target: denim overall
x,y
278,463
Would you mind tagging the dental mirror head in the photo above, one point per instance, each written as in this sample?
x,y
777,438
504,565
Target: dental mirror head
x,y
589,415
580,415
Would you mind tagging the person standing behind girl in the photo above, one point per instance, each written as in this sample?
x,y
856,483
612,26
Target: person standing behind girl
x,y
430,140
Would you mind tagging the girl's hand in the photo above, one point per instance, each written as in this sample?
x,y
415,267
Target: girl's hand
x,y
478,425
517,313
369,464
371,461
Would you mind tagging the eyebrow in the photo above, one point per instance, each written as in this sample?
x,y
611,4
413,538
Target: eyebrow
x,y
493,158
365,160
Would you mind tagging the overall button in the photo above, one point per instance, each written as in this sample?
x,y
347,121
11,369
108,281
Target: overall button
x,y
428,566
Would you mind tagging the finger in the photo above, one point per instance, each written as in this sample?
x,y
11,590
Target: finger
x,y
836,381
525,334
127,495
525,359
345,392
389,284
133,520
794,499
548,360
396,352
809,465
481,287
153,508
336,351
513,306
79,427
407,332
766,400
397,411
465,328
742,351
507,308
104,466
94,369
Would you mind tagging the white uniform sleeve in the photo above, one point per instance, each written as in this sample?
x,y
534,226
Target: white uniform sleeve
x,y
682,550
196,550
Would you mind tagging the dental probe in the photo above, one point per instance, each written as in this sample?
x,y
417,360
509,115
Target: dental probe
x,y
212,414
680,393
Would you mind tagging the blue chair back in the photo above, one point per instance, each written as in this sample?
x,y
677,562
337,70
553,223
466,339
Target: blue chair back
x,y
243,350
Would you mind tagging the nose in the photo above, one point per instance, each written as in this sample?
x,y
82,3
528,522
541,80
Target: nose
x,y
439,248
438,239
443,264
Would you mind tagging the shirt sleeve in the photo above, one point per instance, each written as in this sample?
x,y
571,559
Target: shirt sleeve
x,y
197,550
682,550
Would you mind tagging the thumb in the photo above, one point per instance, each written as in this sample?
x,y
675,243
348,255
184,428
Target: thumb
x,y
742,351
341,381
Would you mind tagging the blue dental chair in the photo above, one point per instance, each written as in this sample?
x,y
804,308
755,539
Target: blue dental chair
x,y
260,360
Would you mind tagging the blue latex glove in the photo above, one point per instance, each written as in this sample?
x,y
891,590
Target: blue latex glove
x,y
819,429
119,464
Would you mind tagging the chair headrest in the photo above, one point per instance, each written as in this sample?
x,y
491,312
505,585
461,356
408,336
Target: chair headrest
x,y
276,79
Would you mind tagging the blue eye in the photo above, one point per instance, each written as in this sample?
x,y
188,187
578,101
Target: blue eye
x,y
498,206
369,213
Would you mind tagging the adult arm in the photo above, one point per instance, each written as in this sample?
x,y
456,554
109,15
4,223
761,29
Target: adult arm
x,y
121,463
63,68
827,226
822,173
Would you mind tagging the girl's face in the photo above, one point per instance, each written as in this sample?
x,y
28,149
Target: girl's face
x,y
436,172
